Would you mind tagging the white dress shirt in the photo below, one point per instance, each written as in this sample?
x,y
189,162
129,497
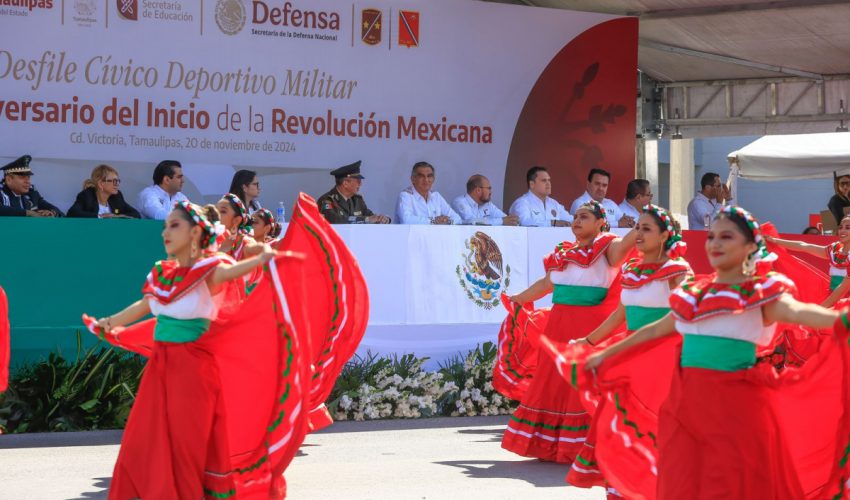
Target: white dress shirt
x,y
627,209
473,213
412,208
700,209
155,203
612,210
532,211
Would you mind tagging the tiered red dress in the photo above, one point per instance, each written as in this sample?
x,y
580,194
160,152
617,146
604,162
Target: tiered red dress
x,y
645,295
338,308
223,415
219,411
729,427
551,423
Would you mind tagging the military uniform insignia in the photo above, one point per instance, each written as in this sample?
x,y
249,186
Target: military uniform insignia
x,y
482,274
327,205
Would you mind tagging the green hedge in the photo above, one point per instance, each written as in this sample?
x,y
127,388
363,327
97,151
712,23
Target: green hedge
x,y
97,389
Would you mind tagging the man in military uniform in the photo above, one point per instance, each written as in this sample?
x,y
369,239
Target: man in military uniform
x,y
18,197
342,204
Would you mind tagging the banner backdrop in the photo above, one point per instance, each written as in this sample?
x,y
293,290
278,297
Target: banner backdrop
x,y
294,89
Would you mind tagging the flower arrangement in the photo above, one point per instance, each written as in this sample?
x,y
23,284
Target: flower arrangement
x,y
372,388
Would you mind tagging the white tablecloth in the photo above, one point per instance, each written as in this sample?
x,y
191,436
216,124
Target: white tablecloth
x,y
419,289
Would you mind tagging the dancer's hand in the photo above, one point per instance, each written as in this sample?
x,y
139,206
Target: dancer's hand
x,y
267,253
105,323
593,361
582,340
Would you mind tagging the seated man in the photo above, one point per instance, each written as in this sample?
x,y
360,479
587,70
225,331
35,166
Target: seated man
x,y
536,208
475,206
18,196
597,187
156,202
638,195
343,204
417,204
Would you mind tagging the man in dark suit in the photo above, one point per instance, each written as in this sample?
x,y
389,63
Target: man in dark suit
x,y
18,197
342,204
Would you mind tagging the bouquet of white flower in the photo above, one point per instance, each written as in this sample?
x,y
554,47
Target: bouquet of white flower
x,y
373,388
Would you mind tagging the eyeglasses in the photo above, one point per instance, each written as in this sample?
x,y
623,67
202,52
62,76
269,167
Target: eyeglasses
x,y
114,182
844,183
255,184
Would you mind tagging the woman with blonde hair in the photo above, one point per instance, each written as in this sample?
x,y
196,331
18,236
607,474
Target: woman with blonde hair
x,y
101,198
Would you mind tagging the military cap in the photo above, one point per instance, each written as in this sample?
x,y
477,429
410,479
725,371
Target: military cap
x,y
352,170
19,166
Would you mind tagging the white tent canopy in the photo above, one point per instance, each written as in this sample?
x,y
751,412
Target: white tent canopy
x,y
807,156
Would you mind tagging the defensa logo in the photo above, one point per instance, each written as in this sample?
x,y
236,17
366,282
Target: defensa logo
x,y
128,9
293,17
230,16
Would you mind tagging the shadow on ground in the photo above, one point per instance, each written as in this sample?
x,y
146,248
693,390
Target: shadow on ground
x,y
60,439
99,482
495,435
540,474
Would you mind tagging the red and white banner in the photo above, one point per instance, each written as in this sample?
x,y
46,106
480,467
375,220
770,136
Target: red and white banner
x,y
296,88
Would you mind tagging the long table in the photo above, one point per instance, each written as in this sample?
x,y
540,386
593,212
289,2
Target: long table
x,y
427,294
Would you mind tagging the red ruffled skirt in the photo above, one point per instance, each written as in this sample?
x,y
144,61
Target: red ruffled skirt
x,y
551,423
177,428
719,437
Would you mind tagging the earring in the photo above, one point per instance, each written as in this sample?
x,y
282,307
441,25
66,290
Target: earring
x,y
749,265
194,251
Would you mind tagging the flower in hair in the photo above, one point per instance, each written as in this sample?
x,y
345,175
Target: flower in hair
x,y
208,229
761,256
675,247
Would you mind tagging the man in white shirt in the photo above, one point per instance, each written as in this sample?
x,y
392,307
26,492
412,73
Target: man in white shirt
x,y
597,187
536,208
417,204
638,195
156,202
475,206
708,202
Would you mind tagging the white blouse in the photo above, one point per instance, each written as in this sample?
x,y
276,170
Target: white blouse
x,y
198,303
599,274
747,325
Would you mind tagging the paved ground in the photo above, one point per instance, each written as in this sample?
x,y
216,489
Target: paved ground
x,y
446,458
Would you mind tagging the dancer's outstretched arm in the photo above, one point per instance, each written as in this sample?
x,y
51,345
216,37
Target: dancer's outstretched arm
x,y
800,246
604,330
132,313
839,292
619,249
789,310
538,289
227,272
658,329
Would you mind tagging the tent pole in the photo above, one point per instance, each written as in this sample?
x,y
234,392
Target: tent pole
x,y
682,184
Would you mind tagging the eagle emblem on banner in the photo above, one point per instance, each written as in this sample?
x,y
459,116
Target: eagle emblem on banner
x,y
408,28
370,26
482,274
